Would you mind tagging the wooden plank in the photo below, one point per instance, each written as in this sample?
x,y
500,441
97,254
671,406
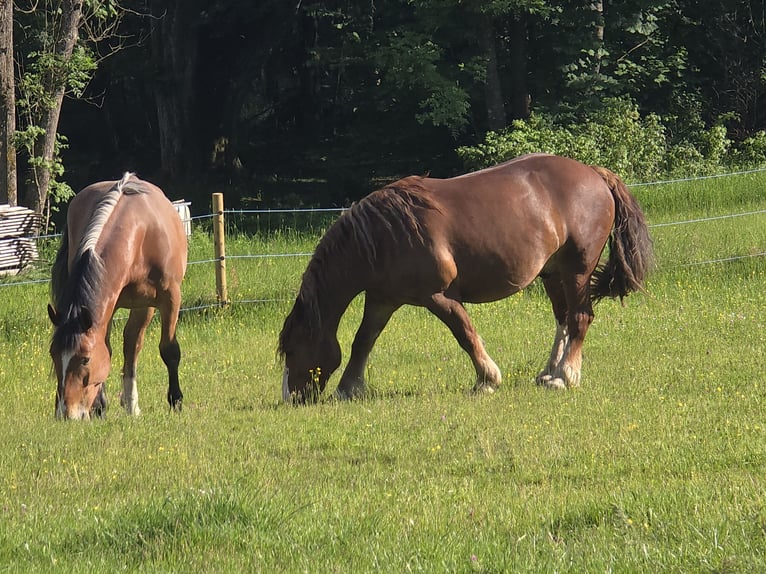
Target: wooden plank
x,y
18,247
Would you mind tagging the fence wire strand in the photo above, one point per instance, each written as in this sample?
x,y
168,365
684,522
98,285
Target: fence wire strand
x,y
339,210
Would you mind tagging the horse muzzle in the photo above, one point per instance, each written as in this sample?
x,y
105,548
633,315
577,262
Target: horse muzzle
x,y
76,413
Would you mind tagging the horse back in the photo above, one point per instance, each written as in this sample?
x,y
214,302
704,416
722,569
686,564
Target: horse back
x,y
504,225
142,236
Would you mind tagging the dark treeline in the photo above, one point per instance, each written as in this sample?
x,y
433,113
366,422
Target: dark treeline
x,y
292,101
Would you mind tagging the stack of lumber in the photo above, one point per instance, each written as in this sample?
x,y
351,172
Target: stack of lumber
x,y
18,243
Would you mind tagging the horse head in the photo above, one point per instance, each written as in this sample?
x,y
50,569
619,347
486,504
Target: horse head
x,y
81,360
310,355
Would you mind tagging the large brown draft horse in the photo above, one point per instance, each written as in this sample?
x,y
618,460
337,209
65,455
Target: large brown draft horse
x,y
123,246
439,243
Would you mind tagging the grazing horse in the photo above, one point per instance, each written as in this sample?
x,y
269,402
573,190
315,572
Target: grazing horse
x,y
479,237
123,246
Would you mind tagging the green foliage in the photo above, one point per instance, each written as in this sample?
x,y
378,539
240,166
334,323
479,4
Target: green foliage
x,y
59,192
751,152
618,137
411,62
45,74
615,136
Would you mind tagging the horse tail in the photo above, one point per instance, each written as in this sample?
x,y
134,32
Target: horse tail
x,y
60,270
630,247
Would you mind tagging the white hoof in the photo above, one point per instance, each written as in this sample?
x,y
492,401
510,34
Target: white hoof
x,y
551,383
484,388
130,406
572,376
543,377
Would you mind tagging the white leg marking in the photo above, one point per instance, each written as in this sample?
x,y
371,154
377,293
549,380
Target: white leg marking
x,y
547,376
559,345
129,398
489,382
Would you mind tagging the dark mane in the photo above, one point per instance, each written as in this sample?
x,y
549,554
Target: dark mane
x,y
78,289
383,218
71,292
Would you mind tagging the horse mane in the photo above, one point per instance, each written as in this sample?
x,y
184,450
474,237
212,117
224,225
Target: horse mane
x,y
103,210
78,288
391,213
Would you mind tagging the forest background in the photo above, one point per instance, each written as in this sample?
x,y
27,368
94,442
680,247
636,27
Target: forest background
x,y
300,102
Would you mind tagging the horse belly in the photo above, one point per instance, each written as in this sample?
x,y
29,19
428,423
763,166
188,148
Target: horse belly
x,y
483,287
481,278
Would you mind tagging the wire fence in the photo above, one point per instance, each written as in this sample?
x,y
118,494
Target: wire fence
x,y
244,213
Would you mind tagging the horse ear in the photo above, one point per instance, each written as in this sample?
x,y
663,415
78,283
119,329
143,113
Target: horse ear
x,y
53,315
86,319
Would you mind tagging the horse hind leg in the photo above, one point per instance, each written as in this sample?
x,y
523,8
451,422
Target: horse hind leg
x,y
453,314
555,290
547,377
579,317
170,350
132,343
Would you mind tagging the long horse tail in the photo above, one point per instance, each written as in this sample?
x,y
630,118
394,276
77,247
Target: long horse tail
x,y
60,270
630,247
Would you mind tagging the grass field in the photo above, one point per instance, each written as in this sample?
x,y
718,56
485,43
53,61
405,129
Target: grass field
x,y
656,463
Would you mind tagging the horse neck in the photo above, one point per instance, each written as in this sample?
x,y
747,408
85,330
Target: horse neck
x,y
90,286
337,287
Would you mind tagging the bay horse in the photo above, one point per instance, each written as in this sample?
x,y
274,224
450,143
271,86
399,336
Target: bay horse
x,y
475,238
123,245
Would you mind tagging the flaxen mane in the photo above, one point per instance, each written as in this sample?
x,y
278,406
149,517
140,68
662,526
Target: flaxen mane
x,y
387,216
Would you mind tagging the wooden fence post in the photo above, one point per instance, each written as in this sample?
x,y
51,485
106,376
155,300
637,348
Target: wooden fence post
x,y
219,239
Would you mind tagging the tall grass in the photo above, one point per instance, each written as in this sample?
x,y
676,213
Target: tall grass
x,y
656,463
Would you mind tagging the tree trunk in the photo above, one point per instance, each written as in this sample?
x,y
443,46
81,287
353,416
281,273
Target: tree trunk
x,y
598,7
8,182
174,37
517,50
55,86
493,91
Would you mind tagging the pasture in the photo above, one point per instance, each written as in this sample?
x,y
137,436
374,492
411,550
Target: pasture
x,y
656,463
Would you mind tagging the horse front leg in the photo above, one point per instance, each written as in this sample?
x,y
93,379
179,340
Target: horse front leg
x,y
453,314
170,350
100,404
375,318
132,343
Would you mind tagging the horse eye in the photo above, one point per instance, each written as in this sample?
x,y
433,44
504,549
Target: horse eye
x,y
85,361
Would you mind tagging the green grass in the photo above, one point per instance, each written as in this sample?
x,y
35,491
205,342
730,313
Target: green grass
x,y
656,463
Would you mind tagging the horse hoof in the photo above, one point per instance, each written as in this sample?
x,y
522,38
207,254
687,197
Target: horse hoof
x,y
339,395
551,383
347,395
484,389
543,378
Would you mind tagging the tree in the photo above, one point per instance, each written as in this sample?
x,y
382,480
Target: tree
x,y
174,41
55,60
8,181
50,74
727,49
